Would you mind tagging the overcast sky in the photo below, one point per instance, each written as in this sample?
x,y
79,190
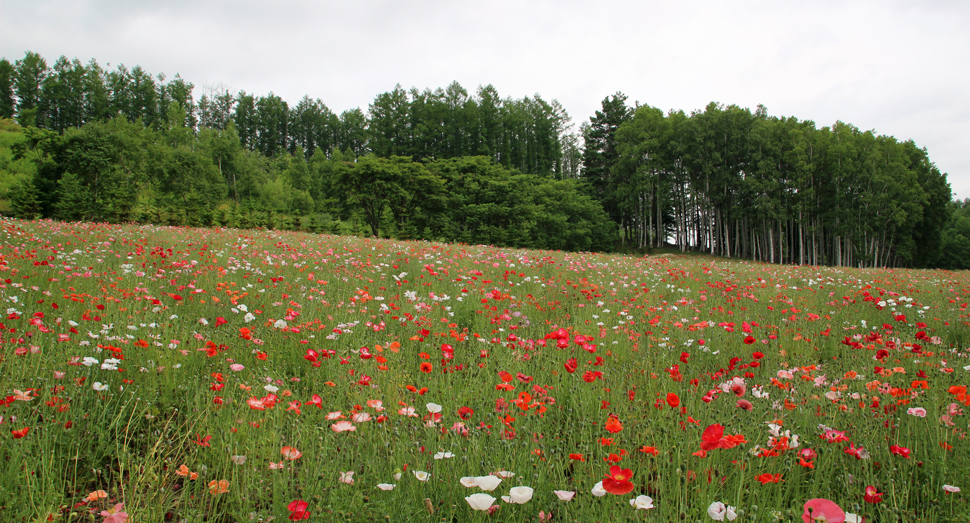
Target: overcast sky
x,y
898,68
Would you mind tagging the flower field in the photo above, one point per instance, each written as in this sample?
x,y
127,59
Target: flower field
x,y
152,374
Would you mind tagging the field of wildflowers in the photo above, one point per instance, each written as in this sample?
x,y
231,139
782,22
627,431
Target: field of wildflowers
x,y
153,374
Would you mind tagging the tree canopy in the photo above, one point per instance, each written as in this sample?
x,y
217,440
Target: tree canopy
x,y
78,142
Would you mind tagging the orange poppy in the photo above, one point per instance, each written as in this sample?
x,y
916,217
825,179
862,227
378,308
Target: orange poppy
x,y
219,487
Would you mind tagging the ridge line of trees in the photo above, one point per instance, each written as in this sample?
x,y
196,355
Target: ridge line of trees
x,y
125,145
744,184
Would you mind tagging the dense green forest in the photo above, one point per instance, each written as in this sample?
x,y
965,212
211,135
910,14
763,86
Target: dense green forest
x,y
79,142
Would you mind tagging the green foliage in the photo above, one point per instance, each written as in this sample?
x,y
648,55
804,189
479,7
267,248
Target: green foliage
x,y
722,180
7,101
24,200
735,183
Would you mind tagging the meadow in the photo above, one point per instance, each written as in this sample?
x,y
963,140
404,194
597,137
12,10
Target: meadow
x,y
154,374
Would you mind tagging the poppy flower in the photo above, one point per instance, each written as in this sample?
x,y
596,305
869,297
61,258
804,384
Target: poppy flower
x,y
598,490
219,487
713,437
719,512
673,400
96,495
872,495
185,472
298,510
115,514
564,495
291,453
518,495
426,367
421,475
618,481
768,478
919,412
649,450
899,451
465,413
17,434
577,457
480,501
642,502
822,510
613,424
487,483
858,452
343,426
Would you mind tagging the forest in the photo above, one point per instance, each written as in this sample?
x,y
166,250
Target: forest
x,y
81,142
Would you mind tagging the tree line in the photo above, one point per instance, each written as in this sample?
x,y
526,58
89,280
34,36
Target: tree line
x,y
448,165
745,184
529,134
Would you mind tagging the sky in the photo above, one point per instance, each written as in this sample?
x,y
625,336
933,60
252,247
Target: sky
x,y
898,68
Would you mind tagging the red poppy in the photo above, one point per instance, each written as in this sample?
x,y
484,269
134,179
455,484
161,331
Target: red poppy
x,y
768,478
316,400
17,434
571,365
899,451
711,439
649,450
245,333
426,367
872,495
298,510
618,481
673,400
613,424
465,413
577,457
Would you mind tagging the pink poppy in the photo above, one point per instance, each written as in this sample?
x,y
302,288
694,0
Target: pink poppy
x,y
822,510
919,412
342,426
115,514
